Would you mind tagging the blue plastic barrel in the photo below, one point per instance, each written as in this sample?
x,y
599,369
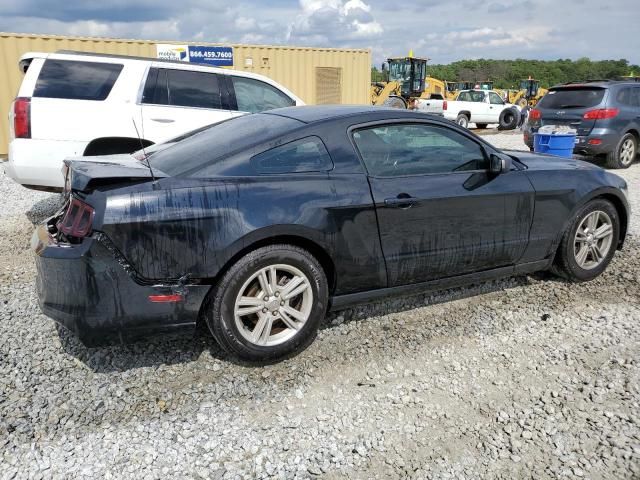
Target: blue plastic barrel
x,y
560,144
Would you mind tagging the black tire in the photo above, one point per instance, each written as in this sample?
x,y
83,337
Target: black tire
x,y
616,159
481,125
395,101
219,306
509,119
565,263
463,120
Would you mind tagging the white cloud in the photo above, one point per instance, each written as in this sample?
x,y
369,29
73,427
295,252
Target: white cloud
x,y
333,23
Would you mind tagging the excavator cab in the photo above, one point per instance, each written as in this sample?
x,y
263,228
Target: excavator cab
x,y
409,73
531,87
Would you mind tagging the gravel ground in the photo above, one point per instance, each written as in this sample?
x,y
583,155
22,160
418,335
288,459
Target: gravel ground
x,y
528,377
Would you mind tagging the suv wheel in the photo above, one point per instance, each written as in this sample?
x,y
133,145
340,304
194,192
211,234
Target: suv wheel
x,y
590,242
269,304
624,153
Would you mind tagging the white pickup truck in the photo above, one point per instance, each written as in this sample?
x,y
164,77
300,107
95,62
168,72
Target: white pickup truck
x,y
481,107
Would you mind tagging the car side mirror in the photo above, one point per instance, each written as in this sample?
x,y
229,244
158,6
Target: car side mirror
x,y
499,164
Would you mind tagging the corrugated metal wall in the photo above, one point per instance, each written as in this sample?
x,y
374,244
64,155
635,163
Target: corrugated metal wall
x,y
294,67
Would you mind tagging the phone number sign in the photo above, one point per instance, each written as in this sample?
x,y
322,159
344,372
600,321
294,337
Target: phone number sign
x,y
217,56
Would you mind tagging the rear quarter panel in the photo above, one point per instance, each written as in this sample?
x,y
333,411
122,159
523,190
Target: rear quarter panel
x,y
197,230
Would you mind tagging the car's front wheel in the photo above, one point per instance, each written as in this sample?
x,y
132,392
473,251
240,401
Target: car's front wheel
x,y
624,153
269,304
587,247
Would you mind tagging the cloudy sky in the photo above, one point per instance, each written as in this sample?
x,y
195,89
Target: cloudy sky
x,y
444,30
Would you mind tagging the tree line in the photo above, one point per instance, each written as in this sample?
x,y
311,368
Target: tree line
x,y
508,73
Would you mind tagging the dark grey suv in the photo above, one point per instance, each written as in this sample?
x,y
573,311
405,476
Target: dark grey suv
x,y
606,115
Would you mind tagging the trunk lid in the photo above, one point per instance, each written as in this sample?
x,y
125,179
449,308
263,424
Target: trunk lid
x,y
567,106
84,175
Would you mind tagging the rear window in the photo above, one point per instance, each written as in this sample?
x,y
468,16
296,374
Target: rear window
x,y
471,97
572,98
76,80
222,140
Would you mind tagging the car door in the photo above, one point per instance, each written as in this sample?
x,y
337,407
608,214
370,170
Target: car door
x,y
175,101
496,105
440,212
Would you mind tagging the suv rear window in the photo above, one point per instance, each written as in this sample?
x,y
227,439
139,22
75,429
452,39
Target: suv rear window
x,y
76,80
583,97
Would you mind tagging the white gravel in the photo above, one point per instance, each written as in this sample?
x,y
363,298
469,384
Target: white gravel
x,y
528,377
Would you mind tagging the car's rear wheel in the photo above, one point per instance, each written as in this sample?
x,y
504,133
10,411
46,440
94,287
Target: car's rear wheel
x,y
587,247
463,120
269,304
624,154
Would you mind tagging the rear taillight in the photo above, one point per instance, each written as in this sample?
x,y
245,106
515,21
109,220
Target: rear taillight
x,y
535,114
22,117
444,105
77,220
601,114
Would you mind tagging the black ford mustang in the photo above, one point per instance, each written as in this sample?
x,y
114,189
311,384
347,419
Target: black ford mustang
x,y
258,224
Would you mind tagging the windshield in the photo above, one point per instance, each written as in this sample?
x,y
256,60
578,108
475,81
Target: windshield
x,y
582,97
219,141
399,71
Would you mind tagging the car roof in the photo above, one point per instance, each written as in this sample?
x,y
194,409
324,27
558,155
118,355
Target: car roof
x,y
319,113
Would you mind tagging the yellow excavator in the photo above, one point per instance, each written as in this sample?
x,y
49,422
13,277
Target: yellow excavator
x,y
529,93
406,82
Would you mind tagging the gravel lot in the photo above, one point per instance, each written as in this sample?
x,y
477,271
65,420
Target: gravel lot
x,y
528,377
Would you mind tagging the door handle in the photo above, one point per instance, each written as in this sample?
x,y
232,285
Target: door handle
x,y
163,120
402,201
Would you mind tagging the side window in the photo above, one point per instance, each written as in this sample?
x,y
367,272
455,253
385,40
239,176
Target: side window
x,y
182,88
636,97
255,96
76,80
417,149
193,89
305,155
495,99
624,96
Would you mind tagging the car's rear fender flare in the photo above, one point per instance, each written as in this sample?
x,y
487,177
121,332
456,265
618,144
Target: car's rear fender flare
x,y
304,237
606,193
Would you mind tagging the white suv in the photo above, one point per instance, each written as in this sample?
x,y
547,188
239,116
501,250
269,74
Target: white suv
x,y
78,104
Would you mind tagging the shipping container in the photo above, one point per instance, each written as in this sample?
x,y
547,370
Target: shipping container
x,y
317,75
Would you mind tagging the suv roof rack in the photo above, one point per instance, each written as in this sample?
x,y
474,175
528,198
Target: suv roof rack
x,y
603,80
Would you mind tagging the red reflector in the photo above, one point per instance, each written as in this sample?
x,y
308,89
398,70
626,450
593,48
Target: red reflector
x,y
595,141
601,114
444,105
77,220
535,114
22,117
166,298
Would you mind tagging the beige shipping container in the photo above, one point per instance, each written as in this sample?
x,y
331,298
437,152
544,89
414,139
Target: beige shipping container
x,y
317,75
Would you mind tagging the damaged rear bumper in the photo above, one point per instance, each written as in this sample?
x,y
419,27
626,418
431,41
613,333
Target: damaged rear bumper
x,y
88,290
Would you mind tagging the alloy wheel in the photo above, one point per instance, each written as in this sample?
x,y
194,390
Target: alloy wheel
x,y
593,240
273,305
627,151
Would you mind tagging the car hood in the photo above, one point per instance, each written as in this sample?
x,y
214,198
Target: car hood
x,y
542,161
